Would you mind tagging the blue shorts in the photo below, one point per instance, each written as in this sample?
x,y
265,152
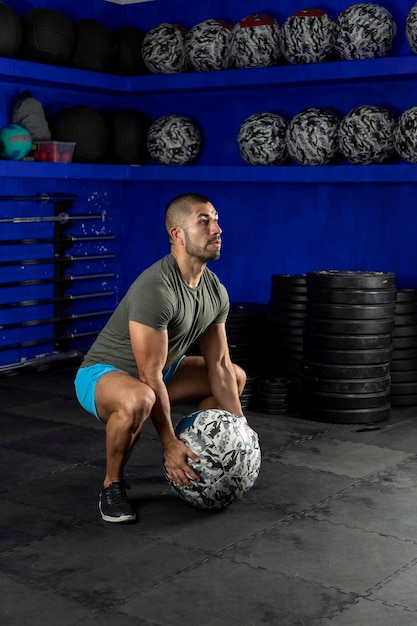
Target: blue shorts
x,y
86,380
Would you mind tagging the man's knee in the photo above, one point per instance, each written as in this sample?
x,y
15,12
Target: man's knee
x,y
138,402
141,398
240,377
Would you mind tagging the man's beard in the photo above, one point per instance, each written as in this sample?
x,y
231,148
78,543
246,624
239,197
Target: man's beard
x,y
204,255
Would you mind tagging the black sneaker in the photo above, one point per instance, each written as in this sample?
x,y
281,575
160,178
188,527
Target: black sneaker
x,y
113,504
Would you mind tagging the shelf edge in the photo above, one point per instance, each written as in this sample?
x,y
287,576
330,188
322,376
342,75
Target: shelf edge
x,y
16,70
329,174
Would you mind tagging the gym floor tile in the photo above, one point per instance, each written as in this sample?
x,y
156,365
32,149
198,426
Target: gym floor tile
x,y
326,537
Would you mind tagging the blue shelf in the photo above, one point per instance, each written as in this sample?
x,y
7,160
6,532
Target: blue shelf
x,y
396,173
392,68
383,70
16,71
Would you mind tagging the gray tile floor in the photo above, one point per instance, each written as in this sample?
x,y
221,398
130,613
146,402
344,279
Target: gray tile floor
x,y
327,536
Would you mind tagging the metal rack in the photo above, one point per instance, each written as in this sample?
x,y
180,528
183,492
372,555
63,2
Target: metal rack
x,y
36,310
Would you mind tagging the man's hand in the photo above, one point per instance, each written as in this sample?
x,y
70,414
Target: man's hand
x,y
176,454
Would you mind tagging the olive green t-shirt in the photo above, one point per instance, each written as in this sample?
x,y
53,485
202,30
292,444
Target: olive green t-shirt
x,y
161,299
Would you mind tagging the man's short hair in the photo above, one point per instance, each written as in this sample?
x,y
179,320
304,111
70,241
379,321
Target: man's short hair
x,y
179,207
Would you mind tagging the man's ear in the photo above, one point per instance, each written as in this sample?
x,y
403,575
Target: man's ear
x,y
177,235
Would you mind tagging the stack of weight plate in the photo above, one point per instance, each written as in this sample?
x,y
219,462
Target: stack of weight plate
x,y
245,327
404,354
285,322
348,346
272,396
249,392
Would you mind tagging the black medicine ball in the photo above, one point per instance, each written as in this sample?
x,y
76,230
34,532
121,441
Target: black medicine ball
x,y
93,48
127,52
47,36
129,129
10,31
87,127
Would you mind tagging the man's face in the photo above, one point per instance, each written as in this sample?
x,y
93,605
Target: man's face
x,y
202,233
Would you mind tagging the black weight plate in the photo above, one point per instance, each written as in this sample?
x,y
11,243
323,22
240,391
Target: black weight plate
x,y
286,320
347,401
405,320
348,342
279,284
292,357
349,327
362,385
277,299
277,348
273,383
400,365
288,357
272,399
407,330
286,329
405,400
288,305
404,343
323,310
405,354
310,368
350,279
271,392
293,296
352,296
278,333
246,399
360,416
404,388
405,308
272,411
349,357
291,370
276,404
287,340
288,309
406,295
290,352
288,279
407,376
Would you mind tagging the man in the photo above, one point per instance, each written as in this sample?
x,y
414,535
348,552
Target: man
x,y
137,366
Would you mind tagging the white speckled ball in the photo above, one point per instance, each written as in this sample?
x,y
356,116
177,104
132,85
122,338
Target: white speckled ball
x,y
261,139
207,45
174,140
307,36
411,28
255,42
365,31
312,137
366,135
163,49
230,458
405,135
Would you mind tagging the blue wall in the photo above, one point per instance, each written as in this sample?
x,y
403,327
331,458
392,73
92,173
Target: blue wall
x,y
269,228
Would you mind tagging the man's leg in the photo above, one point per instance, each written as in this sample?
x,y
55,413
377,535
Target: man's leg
x,y
123,403
190,382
